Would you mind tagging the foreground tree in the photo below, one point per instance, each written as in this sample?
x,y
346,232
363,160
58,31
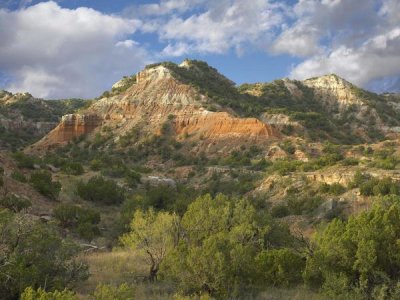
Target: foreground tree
x,y
32,254
154,234
359,256
220,242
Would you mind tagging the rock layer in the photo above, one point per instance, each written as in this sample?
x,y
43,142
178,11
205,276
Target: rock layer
x,y
222,125
71,126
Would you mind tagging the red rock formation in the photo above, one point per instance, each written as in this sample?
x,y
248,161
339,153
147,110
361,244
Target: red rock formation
x,y
222,125
71,126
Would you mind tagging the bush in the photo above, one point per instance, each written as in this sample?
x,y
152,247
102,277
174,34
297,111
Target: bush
x,y
304,204
19,176
280,211
132,178
15,203
280,267
81,220
334,188
218,246
73,168
42,182
110,292
31,294
379,187
101,190
359,255
35,256
23,160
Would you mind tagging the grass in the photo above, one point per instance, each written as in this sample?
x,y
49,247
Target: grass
x,y
126,266
122,266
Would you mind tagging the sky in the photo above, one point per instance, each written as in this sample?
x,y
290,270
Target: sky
x,y
79,48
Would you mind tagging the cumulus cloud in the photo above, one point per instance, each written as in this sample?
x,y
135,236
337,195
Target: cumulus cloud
x,y
218,26
299,40
376,58
56,52
358,40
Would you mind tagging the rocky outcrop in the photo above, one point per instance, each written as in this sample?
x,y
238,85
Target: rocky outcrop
x,y
334,91
71,126
222,125
148,102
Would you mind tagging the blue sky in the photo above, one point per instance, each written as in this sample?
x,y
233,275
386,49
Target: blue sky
x,y
78,48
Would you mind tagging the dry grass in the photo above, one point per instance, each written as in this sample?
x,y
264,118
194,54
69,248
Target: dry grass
x,y
126,266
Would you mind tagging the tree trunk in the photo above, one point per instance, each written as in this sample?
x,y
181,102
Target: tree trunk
x,y
153,273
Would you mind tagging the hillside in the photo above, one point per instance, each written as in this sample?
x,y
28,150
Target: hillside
x,y
176,178
25,119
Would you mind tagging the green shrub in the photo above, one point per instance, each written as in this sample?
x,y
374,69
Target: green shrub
x,y
288,147
83,221
14,203
23,160
359,255
35,256
334,188
110,292
132,178
101,190
73,168
280,267
350,161
40,294
303,204
280,211
379,187
217,253
19,176
43,183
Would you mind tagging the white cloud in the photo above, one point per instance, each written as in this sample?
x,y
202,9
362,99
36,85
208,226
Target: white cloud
x,y
56,52
299,40
221,26
376,58
178,49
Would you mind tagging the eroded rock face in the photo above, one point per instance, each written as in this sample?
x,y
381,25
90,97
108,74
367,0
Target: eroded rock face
x,y
334,91
222,125
71,126
148,103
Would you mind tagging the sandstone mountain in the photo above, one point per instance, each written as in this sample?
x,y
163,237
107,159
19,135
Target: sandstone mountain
x,y
197,103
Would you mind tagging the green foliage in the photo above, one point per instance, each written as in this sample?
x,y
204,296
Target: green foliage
x,y
305,204
110,292
101,190
73,168
84,221
34,255
40,294
219,242
154,234
133,178
19,176
240,184
15,203
280,267
334,188
23,160
359,255
280,211
379,187
288,147
284,167
43,183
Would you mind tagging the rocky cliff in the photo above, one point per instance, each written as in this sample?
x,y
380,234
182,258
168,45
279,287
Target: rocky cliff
x,y
153,99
